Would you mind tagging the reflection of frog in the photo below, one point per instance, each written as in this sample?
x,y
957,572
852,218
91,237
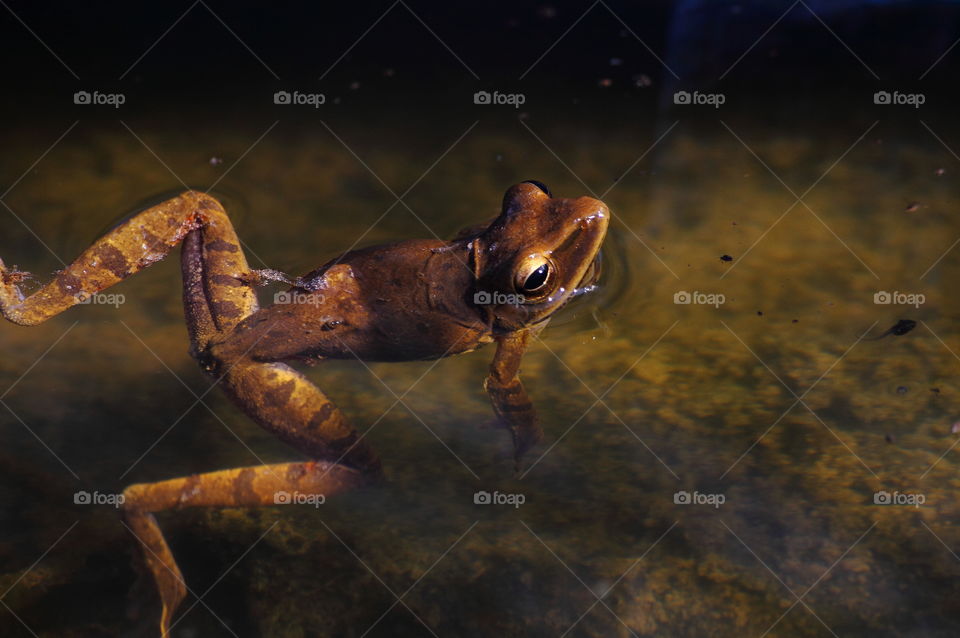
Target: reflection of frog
x,y
419,299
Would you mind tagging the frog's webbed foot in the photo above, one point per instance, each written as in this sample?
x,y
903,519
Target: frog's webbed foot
x,y
279,484
12,276
264,276
10,279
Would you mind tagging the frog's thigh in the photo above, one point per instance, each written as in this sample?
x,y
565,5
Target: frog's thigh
x,y
283,483
216,278
287,404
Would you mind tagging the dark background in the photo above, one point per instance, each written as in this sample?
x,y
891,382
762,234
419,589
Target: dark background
x,y
201,66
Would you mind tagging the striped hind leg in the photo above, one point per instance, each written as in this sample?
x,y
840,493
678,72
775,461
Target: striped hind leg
x,y
217,296
278,484
285,403
131,246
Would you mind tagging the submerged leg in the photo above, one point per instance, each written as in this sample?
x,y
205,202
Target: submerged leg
x,y
285,403
281,483
218,294
509,398
217,297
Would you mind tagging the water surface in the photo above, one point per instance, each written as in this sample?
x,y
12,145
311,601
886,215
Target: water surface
x,y
769,401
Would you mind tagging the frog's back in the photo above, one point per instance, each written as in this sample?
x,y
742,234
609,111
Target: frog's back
x,y
414,297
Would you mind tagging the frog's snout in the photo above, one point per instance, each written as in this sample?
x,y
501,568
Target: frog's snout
x,y
594,213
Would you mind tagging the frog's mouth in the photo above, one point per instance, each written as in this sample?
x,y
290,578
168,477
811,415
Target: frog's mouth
x,y
588,283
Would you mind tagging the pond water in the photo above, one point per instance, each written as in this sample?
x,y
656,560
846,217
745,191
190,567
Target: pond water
x,y
709,468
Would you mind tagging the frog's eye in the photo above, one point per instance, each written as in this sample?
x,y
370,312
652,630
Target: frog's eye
x,y
540,185
533,277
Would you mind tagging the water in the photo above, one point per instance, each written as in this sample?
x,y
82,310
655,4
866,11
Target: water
x,y
786,416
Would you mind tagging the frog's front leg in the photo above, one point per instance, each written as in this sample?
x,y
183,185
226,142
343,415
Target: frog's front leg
x,y
510,401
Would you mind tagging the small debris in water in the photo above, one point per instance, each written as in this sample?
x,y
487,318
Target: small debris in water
x,y
955,428
902,389
216,161
759,313
900,328
643,80
935,390
912,207
888,438
794,320
616,61
903,326
354,85
939,172
605,82
726,258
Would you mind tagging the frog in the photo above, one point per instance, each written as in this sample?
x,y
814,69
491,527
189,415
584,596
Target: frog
x,y
499,282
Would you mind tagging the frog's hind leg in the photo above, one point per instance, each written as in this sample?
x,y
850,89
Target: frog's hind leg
x,y
286,403
128,248
217,282
279,484
217,297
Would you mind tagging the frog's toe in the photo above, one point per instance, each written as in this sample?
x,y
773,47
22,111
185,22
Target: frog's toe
x,y
10,294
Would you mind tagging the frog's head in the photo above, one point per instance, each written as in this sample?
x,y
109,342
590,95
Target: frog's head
x,y
536,255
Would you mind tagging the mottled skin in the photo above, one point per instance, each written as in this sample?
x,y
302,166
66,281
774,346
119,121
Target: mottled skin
x,y
404,301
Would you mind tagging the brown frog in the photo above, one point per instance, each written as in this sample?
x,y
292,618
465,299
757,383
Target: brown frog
x,y
418,299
